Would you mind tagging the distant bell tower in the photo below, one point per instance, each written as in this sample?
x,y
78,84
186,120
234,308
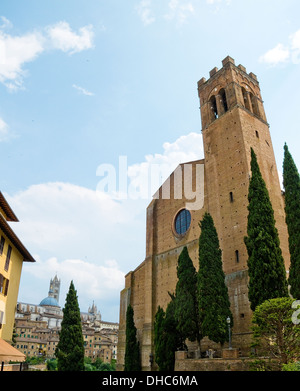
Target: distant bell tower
x,y
233,121
54,288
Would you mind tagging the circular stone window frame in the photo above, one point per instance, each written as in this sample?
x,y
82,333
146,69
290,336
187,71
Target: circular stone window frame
x,y
175,233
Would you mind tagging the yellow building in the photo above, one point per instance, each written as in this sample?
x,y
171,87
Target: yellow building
x,y
12,255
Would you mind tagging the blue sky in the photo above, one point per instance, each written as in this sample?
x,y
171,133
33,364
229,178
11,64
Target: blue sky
x,y
83,83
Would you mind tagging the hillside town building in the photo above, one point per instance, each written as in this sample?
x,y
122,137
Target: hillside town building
x,y
37,328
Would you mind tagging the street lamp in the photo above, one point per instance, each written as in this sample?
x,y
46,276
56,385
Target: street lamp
x,y
229,331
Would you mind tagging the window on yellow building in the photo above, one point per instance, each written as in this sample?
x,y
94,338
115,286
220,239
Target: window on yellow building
x,y
8,255
1,318
2,244
4,282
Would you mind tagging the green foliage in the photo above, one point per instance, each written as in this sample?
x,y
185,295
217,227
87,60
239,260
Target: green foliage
x,y
186,304
274,332
291,182
267,276
52,364
292,366
167,339
70,348
35,360
173,339
98,365
213,300
159,338
132,348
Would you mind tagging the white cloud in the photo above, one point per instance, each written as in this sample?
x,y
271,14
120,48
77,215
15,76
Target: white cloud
x,y
6,24
94,281
147,176
62,37
283,54
5,134
184,149
227,2
55,215
85,235
144,10
83,90
295,40
179,11
276,55
79,234
16,51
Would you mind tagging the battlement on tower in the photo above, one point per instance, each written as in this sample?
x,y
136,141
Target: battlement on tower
x,y
227,88
227,60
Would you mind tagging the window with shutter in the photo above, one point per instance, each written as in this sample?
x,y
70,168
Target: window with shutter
x,y
1,283
2,245
7,258
1,318
6,287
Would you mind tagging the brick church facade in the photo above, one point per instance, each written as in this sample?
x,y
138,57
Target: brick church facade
x,y
233,121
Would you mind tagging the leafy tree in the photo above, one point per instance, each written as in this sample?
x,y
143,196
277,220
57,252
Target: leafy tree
x,y
98,365
291,183
213,301
274,331
52,364
186,304
132,348
267,276
70,348
292,366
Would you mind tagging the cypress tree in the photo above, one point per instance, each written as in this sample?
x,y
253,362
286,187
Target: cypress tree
x,y
132,347
167,339
70,348
160,338
267,277
186,304
291,183
173,338
213,301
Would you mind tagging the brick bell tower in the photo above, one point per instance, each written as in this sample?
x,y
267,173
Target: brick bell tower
x,y
233,121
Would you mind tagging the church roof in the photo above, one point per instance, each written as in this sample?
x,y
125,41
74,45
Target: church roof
x,y
51,301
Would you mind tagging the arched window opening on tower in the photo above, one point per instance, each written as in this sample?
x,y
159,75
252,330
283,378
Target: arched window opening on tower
x,y
231,196
254,104
223,99
237,256
245,99
213,106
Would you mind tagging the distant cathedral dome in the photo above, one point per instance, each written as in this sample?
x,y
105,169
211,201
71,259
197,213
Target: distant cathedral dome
x,y
51,301
53,294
